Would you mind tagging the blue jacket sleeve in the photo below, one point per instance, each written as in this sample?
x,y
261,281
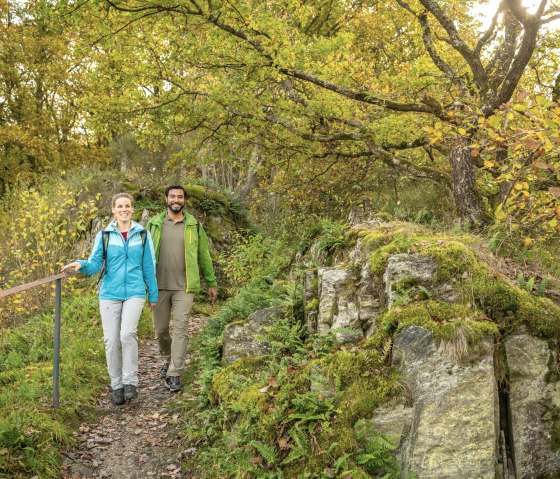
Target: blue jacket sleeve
x,y
95,261
149,269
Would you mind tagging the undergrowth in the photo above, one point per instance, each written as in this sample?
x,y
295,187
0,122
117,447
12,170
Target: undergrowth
x,y
32,432
292,412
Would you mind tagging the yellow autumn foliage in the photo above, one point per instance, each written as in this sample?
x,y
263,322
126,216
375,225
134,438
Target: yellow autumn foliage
x,y
40,227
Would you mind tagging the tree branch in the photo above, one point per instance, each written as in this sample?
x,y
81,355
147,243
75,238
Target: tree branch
x,y
361,96
477,69
531,25
500,63
430,47
390,159
489,33
550,19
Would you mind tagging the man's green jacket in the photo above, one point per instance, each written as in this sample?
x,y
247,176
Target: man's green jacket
x,y
197,254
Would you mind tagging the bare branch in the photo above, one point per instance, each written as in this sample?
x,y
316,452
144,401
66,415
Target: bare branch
x,y
364,96
391,159
489,33
144,8
339,136
541,8
430,47
518,10
407,7
474,62
520,61
549,19
123,27
407,145
500,63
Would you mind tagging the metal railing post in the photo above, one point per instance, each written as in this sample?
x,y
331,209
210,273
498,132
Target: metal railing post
x,y
56,358
58,301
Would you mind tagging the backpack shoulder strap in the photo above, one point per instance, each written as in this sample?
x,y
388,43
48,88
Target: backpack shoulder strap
x,y
105,244
143,235
105,239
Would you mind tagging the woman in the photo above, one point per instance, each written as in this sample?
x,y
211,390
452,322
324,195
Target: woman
x,y
125,253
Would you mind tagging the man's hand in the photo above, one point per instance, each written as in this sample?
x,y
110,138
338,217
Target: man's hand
x,y
213,293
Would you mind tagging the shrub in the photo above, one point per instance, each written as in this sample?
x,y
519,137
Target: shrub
x,y
40,227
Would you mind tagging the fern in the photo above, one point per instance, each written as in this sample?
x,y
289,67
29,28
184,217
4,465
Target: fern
x,y
267,452
387,348
300,446
341,462
540,288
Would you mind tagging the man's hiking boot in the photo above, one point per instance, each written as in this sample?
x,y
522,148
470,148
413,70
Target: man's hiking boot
x,y
173,383
130,392
118,397
163,370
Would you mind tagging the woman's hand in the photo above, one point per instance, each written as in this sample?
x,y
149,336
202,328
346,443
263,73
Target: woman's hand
x,y
74,266
152,306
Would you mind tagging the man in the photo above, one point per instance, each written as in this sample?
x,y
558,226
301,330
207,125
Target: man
x,y
181,249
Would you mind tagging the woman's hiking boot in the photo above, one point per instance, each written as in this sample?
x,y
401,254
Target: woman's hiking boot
x,y
118,397
130,392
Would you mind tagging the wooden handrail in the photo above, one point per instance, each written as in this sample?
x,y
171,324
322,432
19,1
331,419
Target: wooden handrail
x,y
18,289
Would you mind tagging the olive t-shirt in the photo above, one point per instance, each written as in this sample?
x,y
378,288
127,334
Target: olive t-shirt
x,y
171,272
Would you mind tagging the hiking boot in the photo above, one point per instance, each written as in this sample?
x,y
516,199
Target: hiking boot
x,y
163,370
173,383
118,397
130,392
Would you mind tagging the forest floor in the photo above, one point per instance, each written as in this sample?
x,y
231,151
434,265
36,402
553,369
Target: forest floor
x,y
140,440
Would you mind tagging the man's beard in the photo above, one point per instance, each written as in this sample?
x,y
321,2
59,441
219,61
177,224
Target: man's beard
x,y
176,208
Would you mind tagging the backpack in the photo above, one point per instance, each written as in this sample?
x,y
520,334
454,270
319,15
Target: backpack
x,y
105,243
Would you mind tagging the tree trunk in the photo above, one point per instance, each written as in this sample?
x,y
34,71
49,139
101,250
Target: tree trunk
x,y
254,163
468,202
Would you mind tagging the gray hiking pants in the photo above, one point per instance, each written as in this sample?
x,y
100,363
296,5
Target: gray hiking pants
x,y
120,331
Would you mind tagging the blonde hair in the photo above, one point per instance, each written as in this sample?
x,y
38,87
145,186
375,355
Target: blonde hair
x,y
121,195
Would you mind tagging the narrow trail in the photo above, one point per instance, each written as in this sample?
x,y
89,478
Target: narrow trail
x,y
139,440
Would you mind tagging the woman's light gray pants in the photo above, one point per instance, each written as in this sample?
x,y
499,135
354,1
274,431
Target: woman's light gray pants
x,y
120,325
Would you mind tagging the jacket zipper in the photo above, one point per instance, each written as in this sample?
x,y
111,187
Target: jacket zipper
x,y
125,264
186,261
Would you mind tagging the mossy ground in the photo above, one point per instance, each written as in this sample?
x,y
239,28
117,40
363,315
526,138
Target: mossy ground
x,y
275,424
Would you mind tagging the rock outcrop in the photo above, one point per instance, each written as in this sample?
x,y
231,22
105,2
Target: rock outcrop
x,y
454,409
343,302
241,338
477,400
534,404
469,411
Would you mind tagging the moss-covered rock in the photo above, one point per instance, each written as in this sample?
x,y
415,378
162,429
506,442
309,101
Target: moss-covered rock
x,y
535,404
425,373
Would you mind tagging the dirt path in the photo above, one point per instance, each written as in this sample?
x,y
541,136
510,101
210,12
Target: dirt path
x,y
139,440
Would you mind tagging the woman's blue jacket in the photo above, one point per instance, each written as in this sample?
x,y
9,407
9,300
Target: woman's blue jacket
x,y
130,270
